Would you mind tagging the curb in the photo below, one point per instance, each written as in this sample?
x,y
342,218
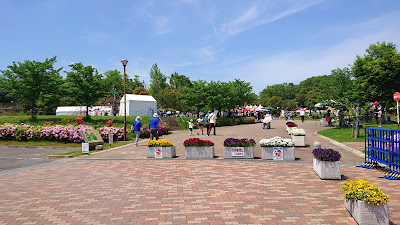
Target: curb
x,y
343,146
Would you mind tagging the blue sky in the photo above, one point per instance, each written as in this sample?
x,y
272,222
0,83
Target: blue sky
x,y
262,42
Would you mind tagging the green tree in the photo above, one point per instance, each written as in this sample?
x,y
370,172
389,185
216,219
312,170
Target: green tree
x,y
84,85
377,73
140,91
177,81
31,80
158,81
241,92
195,97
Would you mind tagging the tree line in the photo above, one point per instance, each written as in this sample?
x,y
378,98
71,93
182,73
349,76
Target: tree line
x,y
39,87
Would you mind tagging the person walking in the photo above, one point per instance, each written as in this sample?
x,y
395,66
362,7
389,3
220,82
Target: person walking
x,y
380,116
136,128
191,126
201,124
302,115
153,126
212,118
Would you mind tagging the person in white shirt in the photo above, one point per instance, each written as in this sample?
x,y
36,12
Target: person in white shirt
x,y
190,126
200,122
302,115
212,121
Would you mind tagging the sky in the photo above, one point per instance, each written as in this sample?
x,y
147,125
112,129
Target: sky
x,y
263,42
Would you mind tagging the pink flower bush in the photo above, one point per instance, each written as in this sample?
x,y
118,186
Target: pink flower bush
x,y
60,133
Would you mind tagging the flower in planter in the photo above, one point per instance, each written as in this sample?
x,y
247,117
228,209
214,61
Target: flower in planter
x,y
233,142
197,142
277,142
326,154
298,132
159,143
362,190
291,124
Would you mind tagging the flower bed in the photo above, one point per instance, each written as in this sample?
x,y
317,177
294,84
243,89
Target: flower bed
x,y
244,142
277,148
365,202
163,129
239,148
199,149
326,164
298,132
161,148
68,133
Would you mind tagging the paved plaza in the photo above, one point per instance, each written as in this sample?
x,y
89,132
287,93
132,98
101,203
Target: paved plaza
x,y
121,186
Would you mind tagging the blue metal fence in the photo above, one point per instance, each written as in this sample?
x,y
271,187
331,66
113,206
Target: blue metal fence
x,y
383,146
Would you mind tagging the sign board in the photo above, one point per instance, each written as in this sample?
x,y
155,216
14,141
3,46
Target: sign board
x,y
85,148
110,138
158,153
237,151
92,137
278,153
396,96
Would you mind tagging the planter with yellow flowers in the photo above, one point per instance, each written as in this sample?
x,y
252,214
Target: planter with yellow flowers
x,y
161,148
366,203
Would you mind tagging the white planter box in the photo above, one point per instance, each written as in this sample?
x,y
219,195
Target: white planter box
x,y
327,170
365,214
199,152
236,152
167,152
299,141
268,153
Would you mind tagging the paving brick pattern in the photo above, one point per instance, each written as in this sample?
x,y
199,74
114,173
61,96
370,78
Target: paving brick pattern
x,y
119,187
180,192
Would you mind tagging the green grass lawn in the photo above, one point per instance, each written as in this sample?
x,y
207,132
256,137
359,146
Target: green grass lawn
x,y
344,134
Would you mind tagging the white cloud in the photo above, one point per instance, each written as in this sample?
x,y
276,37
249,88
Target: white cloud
x,y
162,26
260,13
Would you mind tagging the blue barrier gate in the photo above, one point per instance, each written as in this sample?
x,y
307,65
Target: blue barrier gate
x,y
383,146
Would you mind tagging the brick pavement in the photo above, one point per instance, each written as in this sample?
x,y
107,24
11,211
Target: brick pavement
x,y
118,187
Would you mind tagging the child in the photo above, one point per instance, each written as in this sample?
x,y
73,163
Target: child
x,y
191,126
201,124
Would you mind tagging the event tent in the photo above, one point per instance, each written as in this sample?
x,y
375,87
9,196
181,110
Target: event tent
x,y
81,111
138,105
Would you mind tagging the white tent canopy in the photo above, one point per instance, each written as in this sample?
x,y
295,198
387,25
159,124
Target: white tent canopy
x,y
138,105
81,111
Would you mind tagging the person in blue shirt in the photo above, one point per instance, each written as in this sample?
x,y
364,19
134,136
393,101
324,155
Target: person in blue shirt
x,y
137,127
153,126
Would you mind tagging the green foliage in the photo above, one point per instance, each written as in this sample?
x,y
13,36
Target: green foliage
x,y
30,81
83,85
377,73
140,91
158,81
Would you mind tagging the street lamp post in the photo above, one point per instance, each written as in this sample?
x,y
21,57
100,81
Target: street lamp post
x,y
124,62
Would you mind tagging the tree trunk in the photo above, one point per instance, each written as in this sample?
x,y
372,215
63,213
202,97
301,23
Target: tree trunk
x,y
32,111
357,129
352,130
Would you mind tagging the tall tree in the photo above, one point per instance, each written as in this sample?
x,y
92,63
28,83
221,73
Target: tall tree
x,y
377,73
157,80
31,80
177,81
84,85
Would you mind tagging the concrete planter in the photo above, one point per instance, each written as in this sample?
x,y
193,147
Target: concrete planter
x,y
268,153
365,214
327,170
199,152
167,152
299,141
239,152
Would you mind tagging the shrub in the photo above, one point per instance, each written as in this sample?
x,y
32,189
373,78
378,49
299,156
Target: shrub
x,y
276,142
197,142
163,129
238,120
233,142
159,143
362,190
224,121
249,120
326,154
